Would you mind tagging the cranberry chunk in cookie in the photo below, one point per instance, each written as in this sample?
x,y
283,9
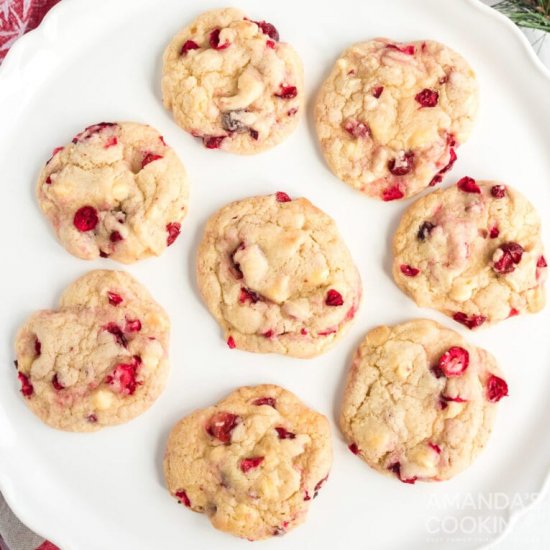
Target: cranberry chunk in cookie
x,y
99,359
230,82
473,251
420,402
117,190
253,462
390,116
276,275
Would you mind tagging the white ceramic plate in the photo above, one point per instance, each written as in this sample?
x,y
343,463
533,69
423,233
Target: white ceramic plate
x,y
93,61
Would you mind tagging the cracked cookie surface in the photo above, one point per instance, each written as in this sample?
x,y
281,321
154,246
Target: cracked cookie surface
x,y
390,116
117,190
473,251
253,462
100,359
419,402
277,277
229,81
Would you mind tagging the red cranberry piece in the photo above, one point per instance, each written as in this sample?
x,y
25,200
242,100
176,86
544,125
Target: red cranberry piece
x,y
269,29
326,332
231,343
91,130
213,142
187,46
454,361
215,40
133,325
86,218
511,256
116,331
435,447
234,266
497,388
56,384
392,194
281,196
270,44
48,180
541,262
303,331
37,347
92,418
396,469
26,386
251,463
221,425
437,372
115,236
334,298
470,321
439,176
254,134
268,333
123,378
248,296
354,448
114,298
427,98
292,112
409,271
424,230
56,150
148,158
284,434
513,312
173,230
408,49
183,498
377,92
103,254
494,232
468,185
498,191
402,165
111,142
287,92
306,496
355,128
319,485
455,399
270,401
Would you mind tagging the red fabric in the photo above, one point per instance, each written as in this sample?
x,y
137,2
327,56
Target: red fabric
x,y
18,17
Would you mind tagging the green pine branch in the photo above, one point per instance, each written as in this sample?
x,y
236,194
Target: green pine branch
x,y
531,14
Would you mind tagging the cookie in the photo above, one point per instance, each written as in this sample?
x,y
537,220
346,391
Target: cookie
x,y
473,251
230,82
390,116
277,277
99,359
420,402
253,462
117,190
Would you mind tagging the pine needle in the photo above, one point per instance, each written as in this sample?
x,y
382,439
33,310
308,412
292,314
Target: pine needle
x,y
531,14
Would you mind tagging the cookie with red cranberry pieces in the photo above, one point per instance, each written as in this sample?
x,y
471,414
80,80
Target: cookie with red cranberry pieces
x,y
420,402
253,462
472,251
277,277
117,190
229,81
99,359
390,116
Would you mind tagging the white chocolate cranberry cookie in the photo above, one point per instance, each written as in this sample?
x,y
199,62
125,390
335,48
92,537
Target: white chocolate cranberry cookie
x,y
473,251
253,462
390,116
229,81
100,359
117,190
276,275
420,402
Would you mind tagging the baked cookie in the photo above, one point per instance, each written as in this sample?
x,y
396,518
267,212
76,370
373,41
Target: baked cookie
x,y
276,275
390,116
117,190
473,251
253,462
229,81
419,401
100,359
